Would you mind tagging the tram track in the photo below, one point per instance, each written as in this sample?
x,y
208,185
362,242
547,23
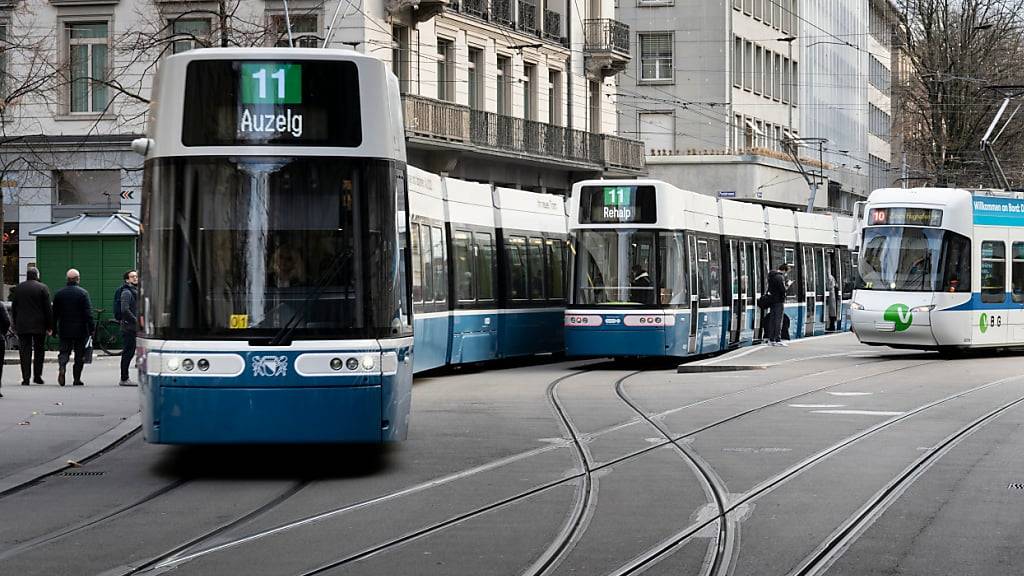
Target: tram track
x,y
816,562
582,503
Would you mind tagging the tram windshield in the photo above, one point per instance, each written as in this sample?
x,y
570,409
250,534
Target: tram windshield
x,y
267,248
914,259
617,267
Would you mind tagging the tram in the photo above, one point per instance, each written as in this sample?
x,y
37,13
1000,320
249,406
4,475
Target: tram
x,y
941,269
275,237
488,271
661,271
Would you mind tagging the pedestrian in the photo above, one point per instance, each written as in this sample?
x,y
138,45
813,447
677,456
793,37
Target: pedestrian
x,y
5,327
129,317
776,304
832,303
33,320
72,315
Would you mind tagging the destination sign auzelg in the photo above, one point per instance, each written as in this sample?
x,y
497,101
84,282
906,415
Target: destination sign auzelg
x,y
269,93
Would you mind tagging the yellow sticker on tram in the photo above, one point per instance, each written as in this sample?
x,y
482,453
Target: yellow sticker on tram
x,y
238,321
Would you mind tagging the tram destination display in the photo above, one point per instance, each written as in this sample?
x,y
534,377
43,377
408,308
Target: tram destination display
x,y
260,103
618,205
906,217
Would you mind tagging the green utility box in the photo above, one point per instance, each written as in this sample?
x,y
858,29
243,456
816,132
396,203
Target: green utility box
x,y
101,247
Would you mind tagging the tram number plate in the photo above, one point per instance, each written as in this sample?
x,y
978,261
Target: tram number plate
x,y
238,321
583,320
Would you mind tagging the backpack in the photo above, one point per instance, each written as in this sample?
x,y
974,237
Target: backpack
x,y
117,302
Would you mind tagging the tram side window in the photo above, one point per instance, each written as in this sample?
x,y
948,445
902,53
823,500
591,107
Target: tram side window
x,y
555,254
703,269
715,281
428,263
781,254
850,272
535,256
462,248
672,285
484,266
956,270
515,250
993,272
1017,273
417,264
440,273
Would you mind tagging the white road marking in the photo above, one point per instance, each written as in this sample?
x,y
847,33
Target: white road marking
x,y
851,393
859,412
817,405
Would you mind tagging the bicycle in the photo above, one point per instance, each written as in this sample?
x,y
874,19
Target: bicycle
x,y
107,336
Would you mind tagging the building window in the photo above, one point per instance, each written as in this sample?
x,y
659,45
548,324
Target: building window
x,y
529,85
737,62
879,122
3,60
595,107
445,70
758,70
400,56
305,30
76,189
189,34
879,74
554,97
88,57
657,130
777,66
656,56
748,65
475,68
504,85
769,74
793,88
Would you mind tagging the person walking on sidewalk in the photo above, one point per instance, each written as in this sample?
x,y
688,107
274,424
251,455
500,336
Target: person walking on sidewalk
x,y
128,306
72,314
777,300
33,320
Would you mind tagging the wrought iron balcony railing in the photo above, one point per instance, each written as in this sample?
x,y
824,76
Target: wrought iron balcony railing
x,y
552,26
476,8
528,17
501,12
606,35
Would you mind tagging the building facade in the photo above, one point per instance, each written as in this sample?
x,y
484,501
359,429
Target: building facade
x,y
720,88
512,92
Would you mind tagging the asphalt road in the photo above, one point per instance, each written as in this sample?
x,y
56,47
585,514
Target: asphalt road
x,y
832,459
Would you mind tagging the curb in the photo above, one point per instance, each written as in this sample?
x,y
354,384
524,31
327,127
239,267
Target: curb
x,y
90,449
705,368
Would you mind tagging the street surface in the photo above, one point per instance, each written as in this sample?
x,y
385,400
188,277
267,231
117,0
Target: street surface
x,y
827,457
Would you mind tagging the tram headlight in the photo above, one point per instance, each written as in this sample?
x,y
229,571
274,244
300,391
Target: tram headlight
x,y
856,306
173,364
203,364
188,364
337,364
352,364
923,309
368,362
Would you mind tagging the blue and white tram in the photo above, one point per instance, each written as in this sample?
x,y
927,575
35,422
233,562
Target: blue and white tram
x,y
274,297
661,271
941,269
488,272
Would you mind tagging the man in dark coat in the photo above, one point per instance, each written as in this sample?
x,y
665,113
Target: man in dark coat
x,y
777,300
33,319
129,322
72,314
5,327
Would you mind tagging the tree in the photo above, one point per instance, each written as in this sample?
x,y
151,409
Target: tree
x,y
956,51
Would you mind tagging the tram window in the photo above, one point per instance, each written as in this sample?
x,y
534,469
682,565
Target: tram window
x,y
672,287
555,269
515,250
417,264
789,256
1017,273
428,264
484,266
462,247
440,273
993,272
703,269
849,269
750,270
715,266
819,271
956,270
535,255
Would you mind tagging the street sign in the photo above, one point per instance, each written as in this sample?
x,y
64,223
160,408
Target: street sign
x,y
727,194
127,194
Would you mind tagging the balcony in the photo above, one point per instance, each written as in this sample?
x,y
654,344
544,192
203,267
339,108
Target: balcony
x,y
528,18
434,123
501,13
413,11
606,47
476,8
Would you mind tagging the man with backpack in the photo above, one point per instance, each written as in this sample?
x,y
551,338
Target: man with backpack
x,y
126,311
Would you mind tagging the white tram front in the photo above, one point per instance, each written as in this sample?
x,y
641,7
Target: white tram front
x,y
941,269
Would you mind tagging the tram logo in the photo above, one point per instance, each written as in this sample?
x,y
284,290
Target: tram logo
x,y
900,315
270,366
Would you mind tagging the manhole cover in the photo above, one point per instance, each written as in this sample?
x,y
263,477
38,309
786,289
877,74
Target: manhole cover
x,y
83,473
76,414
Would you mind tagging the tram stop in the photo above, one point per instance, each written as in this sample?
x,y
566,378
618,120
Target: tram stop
x,y
101,246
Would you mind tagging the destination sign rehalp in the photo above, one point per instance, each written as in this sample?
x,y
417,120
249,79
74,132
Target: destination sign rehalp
x,y
998,211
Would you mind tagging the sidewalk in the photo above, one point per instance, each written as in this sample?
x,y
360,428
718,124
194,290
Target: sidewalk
x,y
43,426
11,357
